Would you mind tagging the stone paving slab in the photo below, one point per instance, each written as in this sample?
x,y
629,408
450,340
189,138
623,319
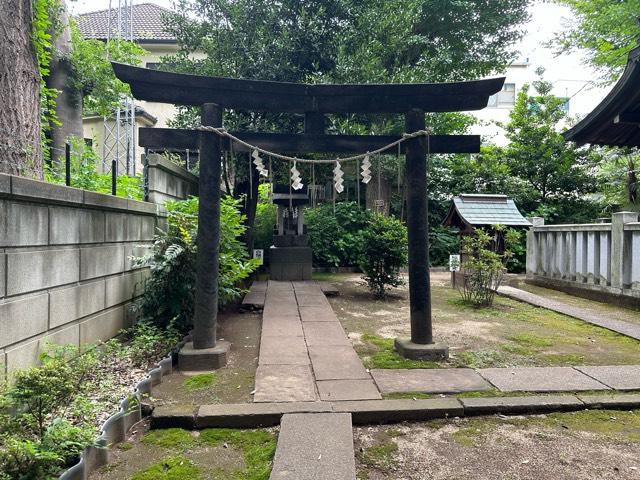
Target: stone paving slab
x,y
317,314
325,333
624,401
521,405
281,309
436,380
253,415
315,446
336,363
540,379
283,351
312,300
389,411
338,390
292,383
282,327
618,377
278,285
329,289
624,328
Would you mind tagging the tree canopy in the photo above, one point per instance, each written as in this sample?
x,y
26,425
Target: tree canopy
x,y
607,30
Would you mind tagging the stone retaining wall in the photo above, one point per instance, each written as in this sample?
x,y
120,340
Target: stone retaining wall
x,y
167,181
600,260
65,270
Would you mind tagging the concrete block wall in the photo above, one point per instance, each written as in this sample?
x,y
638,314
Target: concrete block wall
x,y
167,181
65,270
596,258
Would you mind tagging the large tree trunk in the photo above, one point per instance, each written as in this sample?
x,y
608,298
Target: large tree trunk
x,y
20,147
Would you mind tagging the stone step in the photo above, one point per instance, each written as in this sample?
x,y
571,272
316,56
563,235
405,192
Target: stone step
x,y
315,446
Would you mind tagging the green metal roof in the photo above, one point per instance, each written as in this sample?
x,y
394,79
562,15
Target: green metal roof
x,y
479,209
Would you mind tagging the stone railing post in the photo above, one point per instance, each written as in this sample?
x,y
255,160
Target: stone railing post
x,y
618,221
533,247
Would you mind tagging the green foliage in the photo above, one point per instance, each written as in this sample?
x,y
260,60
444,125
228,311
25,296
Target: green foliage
x,y
169,294
84,174
265,220
22,459
145,342
92,73
383,253
605,30
335,238
442,243
483,264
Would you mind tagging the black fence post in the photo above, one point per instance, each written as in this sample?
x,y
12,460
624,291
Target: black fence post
x,y
67,164
114,176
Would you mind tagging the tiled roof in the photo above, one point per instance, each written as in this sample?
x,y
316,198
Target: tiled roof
x,y
479,210
148,23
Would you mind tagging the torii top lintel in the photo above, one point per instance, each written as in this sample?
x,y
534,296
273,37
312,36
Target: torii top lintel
x,y
260,95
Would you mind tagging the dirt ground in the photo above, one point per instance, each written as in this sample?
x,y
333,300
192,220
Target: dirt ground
x,y
585,445
232,384
510,333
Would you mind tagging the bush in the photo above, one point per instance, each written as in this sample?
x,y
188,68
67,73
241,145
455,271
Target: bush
x,y
482,267
265,220
442,243
169,295
335,237
383,253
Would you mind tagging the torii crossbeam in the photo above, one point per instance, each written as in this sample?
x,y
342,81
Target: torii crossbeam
x,y
214,94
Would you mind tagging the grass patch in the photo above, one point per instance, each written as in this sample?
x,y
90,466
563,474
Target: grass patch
x,y
125,446
380,456
479,359
379,352
170,468
530,340
257,446
202,381
564,358
406,396
169,438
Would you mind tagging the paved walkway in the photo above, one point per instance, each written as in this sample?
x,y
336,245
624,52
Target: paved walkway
x,y
624,328
315,446
305,354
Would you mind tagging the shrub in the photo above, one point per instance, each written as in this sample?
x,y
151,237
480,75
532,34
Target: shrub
x,y
335,237
482,267
265,220
169,294
383,253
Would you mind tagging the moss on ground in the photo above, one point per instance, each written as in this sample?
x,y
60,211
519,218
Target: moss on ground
x,y
200,381
170,438
170,468
256,447
381,454
406,396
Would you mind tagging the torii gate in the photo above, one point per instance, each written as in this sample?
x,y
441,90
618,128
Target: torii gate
x,y
214,94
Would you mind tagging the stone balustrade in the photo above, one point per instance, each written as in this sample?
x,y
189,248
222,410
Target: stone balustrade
x,y
597,260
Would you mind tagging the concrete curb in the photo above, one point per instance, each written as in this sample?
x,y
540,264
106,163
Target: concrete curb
x,y
114,429
256,415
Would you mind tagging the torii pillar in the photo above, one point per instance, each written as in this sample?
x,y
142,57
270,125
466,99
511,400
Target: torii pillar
x,y
420,346
205,352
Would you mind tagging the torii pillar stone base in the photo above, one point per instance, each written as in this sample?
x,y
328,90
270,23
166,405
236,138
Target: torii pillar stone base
x,y
203,359
416,351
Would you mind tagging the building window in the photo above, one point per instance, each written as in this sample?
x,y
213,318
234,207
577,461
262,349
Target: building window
x,y
504,98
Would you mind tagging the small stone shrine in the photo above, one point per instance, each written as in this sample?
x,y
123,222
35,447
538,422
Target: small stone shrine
x,y
290,257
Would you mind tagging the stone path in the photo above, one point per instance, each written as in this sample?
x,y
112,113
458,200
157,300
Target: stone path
x,y
624,328
521,379
305,354
315,446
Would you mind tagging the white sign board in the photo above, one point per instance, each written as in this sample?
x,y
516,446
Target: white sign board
x,y
454,263
259,254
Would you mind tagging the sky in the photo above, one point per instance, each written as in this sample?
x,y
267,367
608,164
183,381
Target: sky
x,y
546,19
